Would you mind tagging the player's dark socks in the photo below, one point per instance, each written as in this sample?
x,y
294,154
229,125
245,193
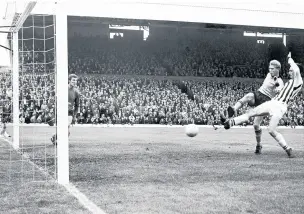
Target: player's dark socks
x,y
231,111
258,135
258,149
258,132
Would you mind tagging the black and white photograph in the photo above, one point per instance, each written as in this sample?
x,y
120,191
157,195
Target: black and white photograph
x,y
150,106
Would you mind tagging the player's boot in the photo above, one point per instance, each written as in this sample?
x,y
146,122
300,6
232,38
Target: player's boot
x,y
290,153
231,111
223,119
258,150
54,140
228,124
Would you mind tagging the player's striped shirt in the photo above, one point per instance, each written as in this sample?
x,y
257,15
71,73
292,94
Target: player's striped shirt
x,y
269,85
289,91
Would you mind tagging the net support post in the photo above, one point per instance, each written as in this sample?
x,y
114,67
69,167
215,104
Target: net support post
x,y
16,121
62,96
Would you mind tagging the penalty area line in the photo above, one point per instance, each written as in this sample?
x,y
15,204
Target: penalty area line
x,y
82,198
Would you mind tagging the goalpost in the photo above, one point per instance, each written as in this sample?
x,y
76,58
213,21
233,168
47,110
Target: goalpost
x,y
62,95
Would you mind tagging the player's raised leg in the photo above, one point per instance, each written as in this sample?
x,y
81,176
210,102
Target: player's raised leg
x,y
272,84
272,129
258,133
248,98
261,110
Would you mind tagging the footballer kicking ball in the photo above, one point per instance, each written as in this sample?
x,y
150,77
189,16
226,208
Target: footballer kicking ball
x,y
191,130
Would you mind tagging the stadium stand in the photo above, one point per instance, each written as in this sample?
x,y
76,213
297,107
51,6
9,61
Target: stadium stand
x,y
179,80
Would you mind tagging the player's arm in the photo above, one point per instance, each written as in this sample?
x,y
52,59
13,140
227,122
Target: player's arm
x,y
295,69
292,64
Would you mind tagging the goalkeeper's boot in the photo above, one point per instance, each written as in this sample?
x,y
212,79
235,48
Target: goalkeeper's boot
x,y
231,111
54,140
258,149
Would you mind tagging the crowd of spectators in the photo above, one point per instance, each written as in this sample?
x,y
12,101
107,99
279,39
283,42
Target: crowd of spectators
x,y
210,56
154,101
143,100
37,98
124,78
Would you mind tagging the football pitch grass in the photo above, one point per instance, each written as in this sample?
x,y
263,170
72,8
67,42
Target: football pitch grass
x,y
156,170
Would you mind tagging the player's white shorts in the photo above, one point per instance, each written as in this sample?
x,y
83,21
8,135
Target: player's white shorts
x,y
271,107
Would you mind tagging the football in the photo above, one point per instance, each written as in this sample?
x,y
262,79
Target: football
x,y
191,130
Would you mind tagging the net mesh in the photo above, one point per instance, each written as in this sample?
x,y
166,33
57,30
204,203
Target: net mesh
x,y
36,158
6,152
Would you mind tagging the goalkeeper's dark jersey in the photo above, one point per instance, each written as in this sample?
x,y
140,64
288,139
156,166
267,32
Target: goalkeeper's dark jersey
x,y
74,97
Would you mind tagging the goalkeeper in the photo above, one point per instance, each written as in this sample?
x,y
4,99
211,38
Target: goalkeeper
x,y
74,97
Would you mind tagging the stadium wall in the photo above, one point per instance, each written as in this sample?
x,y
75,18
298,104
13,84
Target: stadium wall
x,y
87,29
241,79
147,126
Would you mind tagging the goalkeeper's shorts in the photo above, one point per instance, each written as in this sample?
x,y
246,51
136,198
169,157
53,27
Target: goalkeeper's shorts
x,y
71,113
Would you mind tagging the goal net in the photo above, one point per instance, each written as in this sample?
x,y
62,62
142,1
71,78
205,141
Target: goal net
x,y
38,94
28,109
